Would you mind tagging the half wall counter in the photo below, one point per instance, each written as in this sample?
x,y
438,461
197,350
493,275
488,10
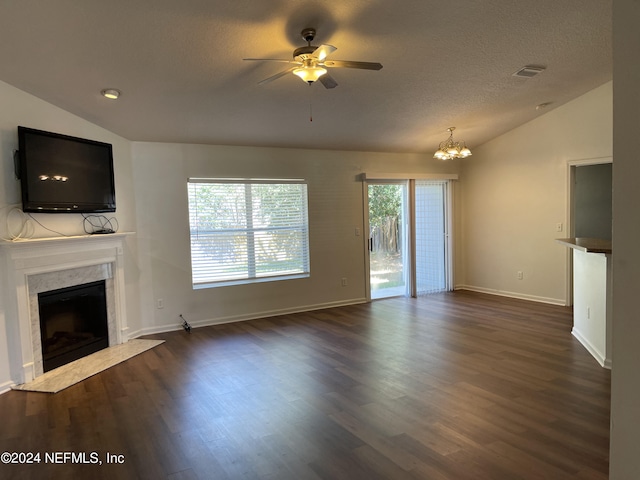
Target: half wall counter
x,y
592,295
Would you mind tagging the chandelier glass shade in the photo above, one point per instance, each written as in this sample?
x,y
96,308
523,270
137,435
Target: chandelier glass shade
x,y
309,71
309,74
450,149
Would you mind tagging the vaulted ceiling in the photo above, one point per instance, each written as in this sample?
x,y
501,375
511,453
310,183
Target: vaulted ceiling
x,y
180,69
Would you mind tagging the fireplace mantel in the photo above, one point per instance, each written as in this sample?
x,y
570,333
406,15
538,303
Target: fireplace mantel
x,y
27,261
25,244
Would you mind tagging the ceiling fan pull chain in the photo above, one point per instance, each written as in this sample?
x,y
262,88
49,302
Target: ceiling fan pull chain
x,y
310,107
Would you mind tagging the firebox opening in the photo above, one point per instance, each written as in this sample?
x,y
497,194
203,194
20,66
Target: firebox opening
x,y
73,323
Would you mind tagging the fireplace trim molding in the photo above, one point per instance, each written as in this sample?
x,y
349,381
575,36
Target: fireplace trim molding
x,y
24,260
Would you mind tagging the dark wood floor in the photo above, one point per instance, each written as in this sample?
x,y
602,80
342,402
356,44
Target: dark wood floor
x,y
452,386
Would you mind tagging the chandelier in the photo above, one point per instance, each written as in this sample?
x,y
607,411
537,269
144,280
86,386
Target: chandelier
x,y
450,149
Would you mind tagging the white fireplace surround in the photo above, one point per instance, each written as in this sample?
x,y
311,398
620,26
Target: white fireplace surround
x,y
39,265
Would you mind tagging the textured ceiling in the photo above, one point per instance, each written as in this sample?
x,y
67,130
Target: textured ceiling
x,y
179,65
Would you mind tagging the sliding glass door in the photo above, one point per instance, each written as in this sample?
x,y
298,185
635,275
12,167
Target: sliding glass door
x,y
409,252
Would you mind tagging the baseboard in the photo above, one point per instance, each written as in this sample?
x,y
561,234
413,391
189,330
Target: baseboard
x,y
6,386
595,353
519,296
242,318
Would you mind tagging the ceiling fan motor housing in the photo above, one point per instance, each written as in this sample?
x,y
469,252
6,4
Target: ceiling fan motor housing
x,y
308,34
308,50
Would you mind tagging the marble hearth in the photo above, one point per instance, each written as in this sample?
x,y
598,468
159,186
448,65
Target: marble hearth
x,y
40,265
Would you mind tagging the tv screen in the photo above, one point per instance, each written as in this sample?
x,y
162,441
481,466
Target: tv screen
x,y
63,174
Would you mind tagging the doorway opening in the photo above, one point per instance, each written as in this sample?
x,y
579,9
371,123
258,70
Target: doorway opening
x,y
387,234
590,198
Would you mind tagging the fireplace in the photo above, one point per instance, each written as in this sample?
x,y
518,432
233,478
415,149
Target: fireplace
x,y
31,268
73,323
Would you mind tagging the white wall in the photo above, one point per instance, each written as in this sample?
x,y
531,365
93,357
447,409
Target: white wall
x,y
625,379
20,108
515,192
335,210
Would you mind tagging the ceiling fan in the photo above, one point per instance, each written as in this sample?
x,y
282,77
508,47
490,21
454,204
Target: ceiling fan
x,y
310,63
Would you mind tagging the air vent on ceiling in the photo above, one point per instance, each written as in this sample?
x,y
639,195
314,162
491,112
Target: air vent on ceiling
x,y
528,71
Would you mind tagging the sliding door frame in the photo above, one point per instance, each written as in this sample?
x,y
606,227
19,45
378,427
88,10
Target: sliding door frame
x,y
375,178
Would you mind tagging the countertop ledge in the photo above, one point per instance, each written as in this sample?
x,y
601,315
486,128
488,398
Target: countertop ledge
x,y
589,245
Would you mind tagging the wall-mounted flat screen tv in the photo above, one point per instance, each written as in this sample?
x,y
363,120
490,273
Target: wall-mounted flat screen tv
x,y
63,174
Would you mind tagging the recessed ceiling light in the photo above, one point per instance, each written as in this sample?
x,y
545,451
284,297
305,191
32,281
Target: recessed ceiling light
x,y
111,93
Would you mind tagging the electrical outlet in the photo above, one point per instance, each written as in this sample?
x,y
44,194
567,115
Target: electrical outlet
x,y
344,281
160,303
357,231
559,227
520,275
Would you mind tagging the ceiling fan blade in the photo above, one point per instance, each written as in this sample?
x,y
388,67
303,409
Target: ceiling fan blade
x,y
276,76
352,64
328,81
282,60
323,51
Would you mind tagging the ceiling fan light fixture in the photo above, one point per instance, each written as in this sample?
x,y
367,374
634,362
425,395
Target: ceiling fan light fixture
x,y
309,62
310,74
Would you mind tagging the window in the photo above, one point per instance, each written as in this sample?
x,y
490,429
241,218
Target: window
x,y
245,231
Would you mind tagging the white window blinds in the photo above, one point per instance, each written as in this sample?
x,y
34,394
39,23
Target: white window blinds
x,y
245,231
